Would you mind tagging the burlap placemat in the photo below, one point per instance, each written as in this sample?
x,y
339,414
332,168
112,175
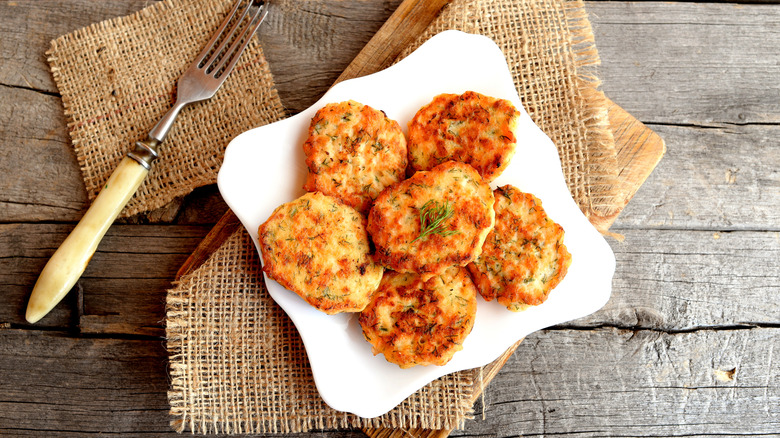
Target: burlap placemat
x,y
236,361
118,77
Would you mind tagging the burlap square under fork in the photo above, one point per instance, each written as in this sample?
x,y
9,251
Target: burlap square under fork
x,y
237,363
118,77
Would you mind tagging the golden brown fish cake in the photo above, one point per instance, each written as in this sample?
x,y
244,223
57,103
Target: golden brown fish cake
x,y
473,128
416,322
524,257
318,248
353,152
433,220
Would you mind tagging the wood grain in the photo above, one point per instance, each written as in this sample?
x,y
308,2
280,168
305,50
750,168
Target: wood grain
x,y
682,280
227,225
125,282
32,135
28,27
701,86
309,43
71,386
686,70
638,150
694,297
645,383
409,20
609,382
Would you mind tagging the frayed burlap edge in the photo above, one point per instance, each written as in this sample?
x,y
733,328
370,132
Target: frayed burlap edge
x,y
603,199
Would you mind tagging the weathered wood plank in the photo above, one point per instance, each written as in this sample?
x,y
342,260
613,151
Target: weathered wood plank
x,y
609,382
636,383
78,387
681,280
309,43
700,75
410,20
638,149
42,180
725,178
123,288
73,387
23,252
648,67
690,63
203,206
27,27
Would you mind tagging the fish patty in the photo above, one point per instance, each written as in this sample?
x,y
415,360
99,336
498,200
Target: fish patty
x,y
471,127
420,322
353,152
318,248
432,221
524,257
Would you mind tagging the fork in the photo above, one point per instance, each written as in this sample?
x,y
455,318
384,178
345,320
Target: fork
x,y
199,82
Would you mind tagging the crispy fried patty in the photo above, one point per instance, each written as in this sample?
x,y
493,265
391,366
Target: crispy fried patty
x,y
471,127
524,257
318,248
353,152
415,322
433,220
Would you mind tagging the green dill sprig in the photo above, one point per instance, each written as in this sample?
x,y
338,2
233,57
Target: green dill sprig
x,y
432,217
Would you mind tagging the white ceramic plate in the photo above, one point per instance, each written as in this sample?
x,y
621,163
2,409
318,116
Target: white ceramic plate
x,y
265,168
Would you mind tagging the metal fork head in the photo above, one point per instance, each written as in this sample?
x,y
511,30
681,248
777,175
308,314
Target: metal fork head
x,y
215,62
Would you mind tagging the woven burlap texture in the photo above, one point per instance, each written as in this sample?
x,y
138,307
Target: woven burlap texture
x,y
237,363
118,77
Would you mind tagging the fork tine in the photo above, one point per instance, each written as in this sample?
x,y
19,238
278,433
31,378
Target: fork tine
x,y
235,50
199,60
218,53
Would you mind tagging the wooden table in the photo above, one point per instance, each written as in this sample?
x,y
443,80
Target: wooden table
x,y
684,347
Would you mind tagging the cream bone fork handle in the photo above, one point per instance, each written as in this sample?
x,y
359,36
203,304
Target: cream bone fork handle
x,y
201,80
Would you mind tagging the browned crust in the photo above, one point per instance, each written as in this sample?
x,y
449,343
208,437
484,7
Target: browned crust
x,y
473,128
416,322
318,248
353,152
524,256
